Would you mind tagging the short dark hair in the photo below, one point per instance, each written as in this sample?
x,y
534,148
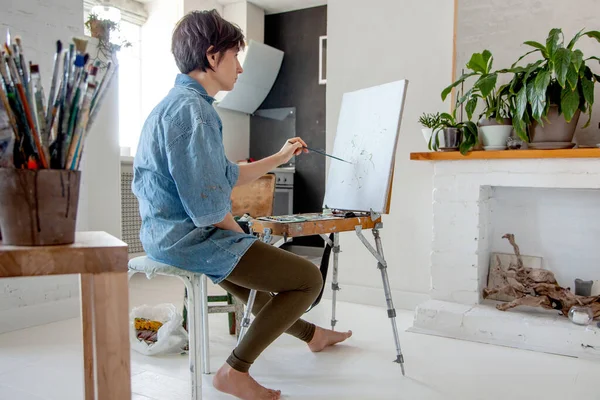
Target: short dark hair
x,y
196,32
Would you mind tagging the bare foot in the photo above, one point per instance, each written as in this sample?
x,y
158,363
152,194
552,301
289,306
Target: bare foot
x,y
242,385
326,337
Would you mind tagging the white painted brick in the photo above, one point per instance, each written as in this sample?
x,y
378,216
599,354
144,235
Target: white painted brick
x,y
455,213
448,238
456,188
445,259
466,297
461,167
452,280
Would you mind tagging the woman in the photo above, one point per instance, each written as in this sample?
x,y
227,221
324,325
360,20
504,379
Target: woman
x,y
183,183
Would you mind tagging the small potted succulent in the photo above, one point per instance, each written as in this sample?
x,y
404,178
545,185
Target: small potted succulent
x,y
429,123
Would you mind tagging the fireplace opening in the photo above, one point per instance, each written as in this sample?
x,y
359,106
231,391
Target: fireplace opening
x,y
555,229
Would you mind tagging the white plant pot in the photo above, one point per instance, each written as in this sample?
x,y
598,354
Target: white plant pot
x,y
495,135
427,132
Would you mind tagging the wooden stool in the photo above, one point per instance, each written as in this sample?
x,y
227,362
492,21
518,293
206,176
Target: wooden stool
x,y
101,262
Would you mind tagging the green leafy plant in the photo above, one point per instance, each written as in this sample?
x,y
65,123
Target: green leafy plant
x,y
468,129
561,78
497,104
102,29
480,65
430,120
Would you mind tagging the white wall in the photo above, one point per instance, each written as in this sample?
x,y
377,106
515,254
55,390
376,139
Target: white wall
x,y
159,68
503,26
236,125
400,39
29,301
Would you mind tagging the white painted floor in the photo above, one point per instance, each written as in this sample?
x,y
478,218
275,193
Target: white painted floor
x,y
45,362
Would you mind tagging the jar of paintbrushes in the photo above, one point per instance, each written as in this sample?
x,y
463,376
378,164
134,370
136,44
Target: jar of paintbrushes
x,y
42,140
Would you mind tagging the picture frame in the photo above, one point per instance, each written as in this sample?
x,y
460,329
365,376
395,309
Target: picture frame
x,y
322,60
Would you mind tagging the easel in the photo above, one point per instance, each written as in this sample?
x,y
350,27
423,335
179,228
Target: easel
x,y
288,230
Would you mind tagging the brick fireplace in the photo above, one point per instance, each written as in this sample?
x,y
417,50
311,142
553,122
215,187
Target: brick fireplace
x,y
552,205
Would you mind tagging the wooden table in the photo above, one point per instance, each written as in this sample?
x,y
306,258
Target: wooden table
x,y
101,261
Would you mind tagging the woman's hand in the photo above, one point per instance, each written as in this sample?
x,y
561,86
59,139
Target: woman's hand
x,y
292,147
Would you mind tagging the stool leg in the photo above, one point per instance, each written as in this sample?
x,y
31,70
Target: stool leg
x,y
388,298
193,336
239,315
246,320
231,315
334,280
205,337
130,274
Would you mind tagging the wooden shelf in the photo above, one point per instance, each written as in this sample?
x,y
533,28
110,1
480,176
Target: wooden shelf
x,y
506,154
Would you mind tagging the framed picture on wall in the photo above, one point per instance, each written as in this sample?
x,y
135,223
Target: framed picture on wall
x,y
322,60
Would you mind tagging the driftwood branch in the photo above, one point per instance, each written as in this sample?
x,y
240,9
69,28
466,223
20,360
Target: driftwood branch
x,y
536,287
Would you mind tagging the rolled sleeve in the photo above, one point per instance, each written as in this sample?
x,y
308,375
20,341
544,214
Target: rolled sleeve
x,y
233,173
202,175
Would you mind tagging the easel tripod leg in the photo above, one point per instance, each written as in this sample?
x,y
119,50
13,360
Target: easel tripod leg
x,y
388,298
334,281
246,320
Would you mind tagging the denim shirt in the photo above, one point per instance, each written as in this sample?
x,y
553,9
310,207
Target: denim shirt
x,y
183,181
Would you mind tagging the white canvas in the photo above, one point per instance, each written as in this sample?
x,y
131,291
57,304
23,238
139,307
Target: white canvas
x,y
367,135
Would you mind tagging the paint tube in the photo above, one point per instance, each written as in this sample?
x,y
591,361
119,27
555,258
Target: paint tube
x,y
7,140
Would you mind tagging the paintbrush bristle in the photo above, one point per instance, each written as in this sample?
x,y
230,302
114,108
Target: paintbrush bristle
x,y
58,46
80,45
18,40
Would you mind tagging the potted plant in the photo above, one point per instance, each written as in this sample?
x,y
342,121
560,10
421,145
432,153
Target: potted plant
x,y
103,29
551,93
429,123
496,126
455,135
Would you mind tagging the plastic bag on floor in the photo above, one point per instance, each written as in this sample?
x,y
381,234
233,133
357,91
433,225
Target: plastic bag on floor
x,y
170,337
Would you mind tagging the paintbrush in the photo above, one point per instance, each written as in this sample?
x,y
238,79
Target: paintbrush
x,y
40,106
51,112
97,100
24,71
101,84
76,148
5,90
61,128
23,144
26,110
323,153
7,136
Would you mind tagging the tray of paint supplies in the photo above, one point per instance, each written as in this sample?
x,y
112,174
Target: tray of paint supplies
x,y
313,217
49,132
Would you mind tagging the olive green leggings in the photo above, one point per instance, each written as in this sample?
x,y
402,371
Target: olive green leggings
x,y
297,283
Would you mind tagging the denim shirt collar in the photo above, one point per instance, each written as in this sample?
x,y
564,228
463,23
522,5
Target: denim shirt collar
x,y
188,82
